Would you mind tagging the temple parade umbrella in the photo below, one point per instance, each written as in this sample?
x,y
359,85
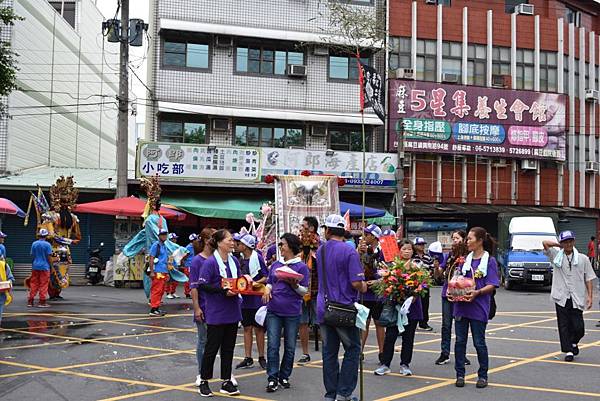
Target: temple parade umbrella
x,y
127,206
8,207
356,210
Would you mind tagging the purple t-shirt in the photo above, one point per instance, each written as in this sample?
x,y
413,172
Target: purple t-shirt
x,y
479,309
415,312
253,301
219,309
195,268
285,300
343,268
272,250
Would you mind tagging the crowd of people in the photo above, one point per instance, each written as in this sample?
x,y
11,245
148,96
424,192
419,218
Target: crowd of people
x,y
333,272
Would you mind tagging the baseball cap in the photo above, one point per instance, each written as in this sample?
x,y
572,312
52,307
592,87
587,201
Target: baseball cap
x,y
249,241
373,229
193,237
435,247
566,235
237,236
43,232
173,236
163,231
387,232
335,221
419,241
2,235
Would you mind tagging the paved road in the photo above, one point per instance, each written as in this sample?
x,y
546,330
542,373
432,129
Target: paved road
x,y
99,344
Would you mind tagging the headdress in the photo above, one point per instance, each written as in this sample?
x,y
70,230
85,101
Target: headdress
x,y
152,188
63,194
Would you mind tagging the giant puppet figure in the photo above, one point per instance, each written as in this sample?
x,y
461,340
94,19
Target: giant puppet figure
x,y
153,223
63,227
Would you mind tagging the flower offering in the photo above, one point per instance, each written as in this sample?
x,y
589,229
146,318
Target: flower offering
x,y
400,280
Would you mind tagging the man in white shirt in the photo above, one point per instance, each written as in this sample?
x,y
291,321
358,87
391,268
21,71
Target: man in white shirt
x,y
572,290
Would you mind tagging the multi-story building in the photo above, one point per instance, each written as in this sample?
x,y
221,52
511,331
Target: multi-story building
x,y
62,118
268,75
500,50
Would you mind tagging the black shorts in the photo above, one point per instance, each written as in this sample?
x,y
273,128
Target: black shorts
x,y
375,309
248,318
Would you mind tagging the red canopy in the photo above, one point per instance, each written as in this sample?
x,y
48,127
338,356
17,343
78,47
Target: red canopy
x,y
131,207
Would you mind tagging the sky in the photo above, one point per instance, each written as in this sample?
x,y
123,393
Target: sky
x,y
137,9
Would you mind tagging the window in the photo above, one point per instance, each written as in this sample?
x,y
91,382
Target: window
x,y
476,65
500,60
452,58
572,16
426,60
548,71
276,136
182,132
399,53
576,78
345,67
266,60
509,5
66,9
186,54
525,69
348,139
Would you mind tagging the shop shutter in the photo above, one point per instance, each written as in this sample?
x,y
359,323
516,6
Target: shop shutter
x,y
584,228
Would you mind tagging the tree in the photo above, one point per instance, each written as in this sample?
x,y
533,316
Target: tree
x,y
8,58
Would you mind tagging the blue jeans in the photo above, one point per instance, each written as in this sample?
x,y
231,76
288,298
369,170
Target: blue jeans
x,y
447,310
275,325
340,383
460,347
201,343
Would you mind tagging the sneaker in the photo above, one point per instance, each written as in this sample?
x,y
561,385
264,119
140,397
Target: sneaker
x,y
198,381
426,327
245,364
188,296
405,371
285,383
43,305
229,388
575,350
204,389
170,296
460,382
154,312
305,359
569,357
442,360
233,380
481,383
467,362
175,296
598,324
382,370
30,304
272,386
262,362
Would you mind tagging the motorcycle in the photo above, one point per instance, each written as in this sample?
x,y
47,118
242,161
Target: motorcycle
x,y
95,265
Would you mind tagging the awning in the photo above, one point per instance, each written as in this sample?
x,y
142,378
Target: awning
x,y
128,206
387,220
453,210
356,210
218,208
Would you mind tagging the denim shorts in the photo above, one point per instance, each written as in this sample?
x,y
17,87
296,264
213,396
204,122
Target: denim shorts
x,y
309,314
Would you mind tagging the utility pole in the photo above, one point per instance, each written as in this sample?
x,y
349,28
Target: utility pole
x,y
400,178
123,122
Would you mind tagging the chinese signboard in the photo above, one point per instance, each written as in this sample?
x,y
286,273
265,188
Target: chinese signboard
x,y
440,118
380,167
189,161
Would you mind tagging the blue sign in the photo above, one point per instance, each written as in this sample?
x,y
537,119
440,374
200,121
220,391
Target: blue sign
x,y
479,133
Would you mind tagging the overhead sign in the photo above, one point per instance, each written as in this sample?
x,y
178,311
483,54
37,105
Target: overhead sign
x,y
189,161
441,118
380,168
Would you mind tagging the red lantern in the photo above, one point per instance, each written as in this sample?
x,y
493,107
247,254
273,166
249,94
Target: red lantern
x,y
306,173
269,179
341,181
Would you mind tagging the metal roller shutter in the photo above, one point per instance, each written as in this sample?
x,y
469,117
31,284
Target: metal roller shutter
x,y
584,228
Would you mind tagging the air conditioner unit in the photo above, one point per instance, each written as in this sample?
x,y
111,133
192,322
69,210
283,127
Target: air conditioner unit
x,y
318,131
224,41
450,78
529,164
404,73
321,51
431,1
591,95
220,124
296,70
524,9
591,167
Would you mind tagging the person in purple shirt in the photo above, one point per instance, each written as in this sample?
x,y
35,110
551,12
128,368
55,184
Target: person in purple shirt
x,y
203,251
344,280
415,315
284,308
475,310
252,264
271,255
446,270
222,312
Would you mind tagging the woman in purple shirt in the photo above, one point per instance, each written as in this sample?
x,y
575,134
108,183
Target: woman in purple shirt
x,y
415,315
203,251
284,308
222,312
475,310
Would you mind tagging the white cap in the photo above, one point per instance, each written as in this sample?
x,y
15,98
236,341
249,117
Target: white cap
x,y
249,241
435,247
193,237
419,241
43,232
335,221
374,230
173,236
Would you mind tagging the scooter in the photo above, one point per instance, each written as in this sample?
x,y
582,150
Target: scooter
x,y
95,265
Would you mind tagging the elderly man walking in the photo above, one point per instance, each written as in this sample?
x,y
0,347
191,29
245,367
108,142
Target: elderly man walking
x,y
572,290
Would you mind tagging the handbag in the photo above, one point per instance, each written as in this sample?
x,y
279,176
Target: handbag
x,y
336,314
389,315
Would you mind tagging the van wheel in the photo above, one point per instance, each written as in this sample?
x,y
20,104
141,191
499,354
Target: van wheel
x,y
509,284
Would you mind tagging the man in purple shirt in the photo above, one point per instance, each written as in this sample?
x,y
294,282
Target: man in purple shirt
x,y
344,280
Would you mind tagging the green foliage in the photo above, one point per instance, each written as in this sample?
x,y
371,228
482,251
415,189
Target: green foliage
x,y
8,58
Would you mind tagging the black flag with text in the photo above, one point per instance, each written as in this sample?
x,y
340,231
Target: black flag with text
x,y
372,91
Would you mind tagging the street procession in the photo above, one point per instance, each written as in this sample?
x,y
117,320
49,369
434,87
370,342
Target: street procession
x,y
349,200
